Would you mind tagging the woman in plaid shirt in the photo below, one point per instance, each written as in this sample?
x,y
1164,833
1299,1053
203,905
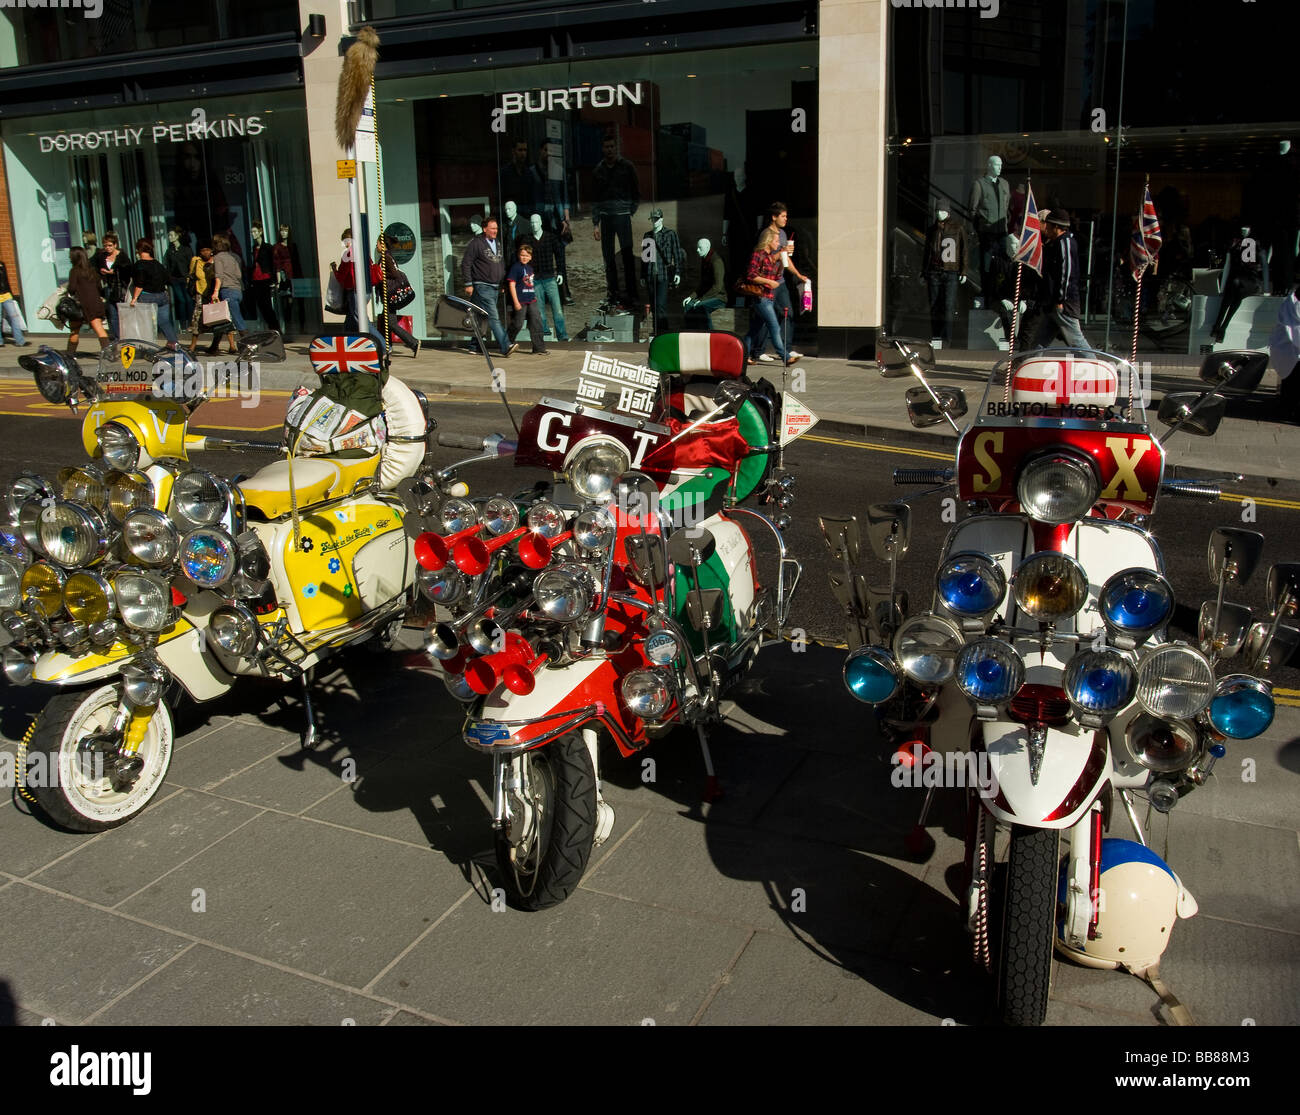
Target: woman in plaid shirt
x,y
765,269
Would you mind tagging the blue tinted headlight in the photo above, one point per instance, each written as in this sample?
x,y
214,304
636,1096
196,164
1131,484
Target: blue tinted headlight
x,y
1100,682
1136,602
1242,708
970,584
989,671
871,675
208,557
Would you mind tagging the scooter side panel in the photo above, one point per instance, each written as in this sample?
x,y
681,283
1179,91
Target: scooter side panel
x,y
59,668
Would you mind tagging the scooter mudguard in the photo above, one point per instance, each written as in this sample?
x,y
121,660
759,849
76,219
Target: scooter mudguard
x,y
557,701
1074,767
55,667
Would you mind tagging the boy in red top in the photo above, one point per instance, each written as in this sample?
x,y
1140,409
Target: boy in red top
x,y
523,298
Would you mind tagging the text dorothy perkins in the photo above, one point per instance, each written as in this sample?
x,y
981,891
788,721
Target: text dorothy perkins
x,y
90,9
91,1069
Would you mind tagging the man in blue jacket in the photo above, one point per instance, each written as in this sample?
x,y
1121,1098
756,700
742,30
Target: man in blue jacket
x,y
1061,306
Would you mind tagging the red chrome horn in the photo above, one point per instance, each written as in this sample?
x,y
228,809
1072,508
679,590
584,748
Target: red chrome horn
x,y
484,674
472,555
535,550
432,550
522,680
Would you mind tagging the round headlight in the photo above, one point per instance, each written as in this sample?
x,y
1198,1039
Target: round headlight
x,y
594,467
198,498
142,686
1135,602
42,587
1160,745
443,586
970,584
871,675
1099,682
150,537
208,557
926,647
989,672
118,447
1175,681
28,486
546,519
144,601
457,514
84,485
29,523
594,529
647,693
662,646
500,516
1242,707
1058,488
233,629
18,666
11,581
128,492
88,597
459,687
73,534
1049,586
564,592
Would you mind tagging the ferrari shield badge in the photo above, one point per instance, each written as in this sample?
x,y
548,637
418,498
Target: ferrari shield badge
x,y
128,357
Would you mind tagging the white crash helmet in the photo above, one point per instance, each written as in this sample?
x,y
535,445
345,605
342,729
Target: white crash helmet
x,y
1141,898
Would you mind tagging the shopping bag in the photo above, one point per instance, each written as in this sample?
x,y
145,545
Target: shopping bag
x,y
138,322
214,312
334,295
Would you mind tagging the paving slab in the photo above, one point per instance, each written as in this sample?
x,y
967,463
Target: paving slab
x,y
210,761
406,1018
31,841
164,835
69,972
329,902
210,987
592,961
1257,781
1114,992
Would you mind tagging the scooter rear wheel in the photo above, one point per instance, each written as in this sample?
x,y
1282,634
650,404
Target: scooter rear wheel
x,y
562,792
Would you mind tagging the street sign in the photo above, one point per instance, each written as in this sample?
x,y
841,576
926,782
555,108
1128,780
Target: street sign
x,y
347,168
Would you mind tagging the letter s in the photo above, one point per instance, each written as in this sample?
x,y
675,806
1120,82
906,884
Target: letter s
x,y
544,441
990,439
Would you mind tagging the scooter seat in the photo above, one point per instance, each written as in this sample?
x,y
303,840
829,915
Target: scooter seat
x,y
314,479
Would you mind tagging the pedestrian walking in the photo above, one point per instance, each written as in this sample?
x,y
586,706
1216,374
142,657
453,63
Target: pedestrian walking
x,y
482,271
113,266
523,298
151,284
229,285
765,270
10,313
1061,306
782,306
87,306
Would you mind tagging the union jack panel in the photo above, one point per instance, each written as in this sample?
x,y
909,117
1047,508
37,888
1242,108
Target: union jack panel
x,y
349,353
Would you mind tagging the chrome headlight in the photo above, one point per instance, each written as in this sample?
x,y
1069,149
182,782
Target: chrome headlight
x,y
459,687
500,516
27,486
88,598
970,584
142,685
989,672
1135,603
73,534
647,693
564,592
84,485
1242,707
208,557
11,581
926,647
442,586
150,537
457,514
233,629
29,523
119,447
144,601
19,666
594,529
1175,681
1049,586
127,492
546,519
872,675
1057,488
593,468
42,586
199,499
1099,683
1160,745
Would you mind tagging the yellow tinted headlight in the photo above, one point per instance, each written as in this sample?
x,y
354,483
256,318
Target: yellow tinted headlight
x,y
1050,586
43,586
88,598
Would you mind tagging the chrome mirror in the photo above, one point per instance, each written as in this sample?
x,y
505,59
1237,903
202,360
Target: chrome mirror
x,y
1233,554
1225,638
1234,370
1270,645
1284,588
1196,414
889,529
842,536
923,411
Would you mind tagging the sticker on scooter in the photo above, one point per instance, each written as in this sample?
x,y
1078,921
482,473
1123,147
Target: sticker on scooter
x,y
484,733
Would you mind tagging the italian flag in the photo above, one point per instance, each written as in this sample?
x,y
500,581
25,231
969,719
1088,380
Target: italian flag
x,y
722,354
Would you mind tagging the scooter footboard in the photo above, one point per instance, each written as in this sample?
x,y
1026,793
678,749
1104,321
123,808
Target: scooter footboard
x,y
1042,777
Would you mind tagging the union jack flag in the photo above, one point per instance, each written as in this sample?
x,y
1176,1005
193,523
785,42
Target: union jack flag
x,y
1030,251
1145,245
350,353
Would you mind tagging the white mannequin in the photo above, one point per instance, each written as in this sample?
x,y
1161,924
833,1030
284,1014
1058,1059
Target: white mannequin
x,y
994,168
659,227
702,249
476,225
942,215
512,210
535,224
1284,147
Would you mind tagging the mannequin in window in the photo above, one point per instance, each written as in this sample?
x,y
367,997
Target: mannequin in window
x,y
548,281
262,277
1243,276
944,269
288,267
663,269
514,228
711,292
990,202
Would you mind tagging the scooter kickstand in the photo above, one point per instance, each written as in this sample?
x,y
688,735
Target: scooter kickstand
x,y
712,788
309,736
917,841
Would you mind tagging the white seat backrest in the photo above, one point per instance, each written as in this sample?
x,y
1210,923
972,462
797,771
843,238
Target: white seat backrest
x,y
405,418
1065,382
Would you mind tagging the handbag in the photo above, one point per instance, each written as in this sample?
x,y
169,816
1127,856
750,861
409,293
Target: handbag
x,y
753,289
69,308
214,312
334,295
400,295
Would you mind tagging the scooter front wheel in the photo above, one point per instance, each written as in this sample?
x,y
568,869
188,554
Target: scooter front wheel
x,y
543,863
74,790
1028,916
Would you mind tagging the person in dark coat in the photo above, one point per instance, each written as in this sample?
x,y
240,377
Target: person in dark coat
x,y
83,285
